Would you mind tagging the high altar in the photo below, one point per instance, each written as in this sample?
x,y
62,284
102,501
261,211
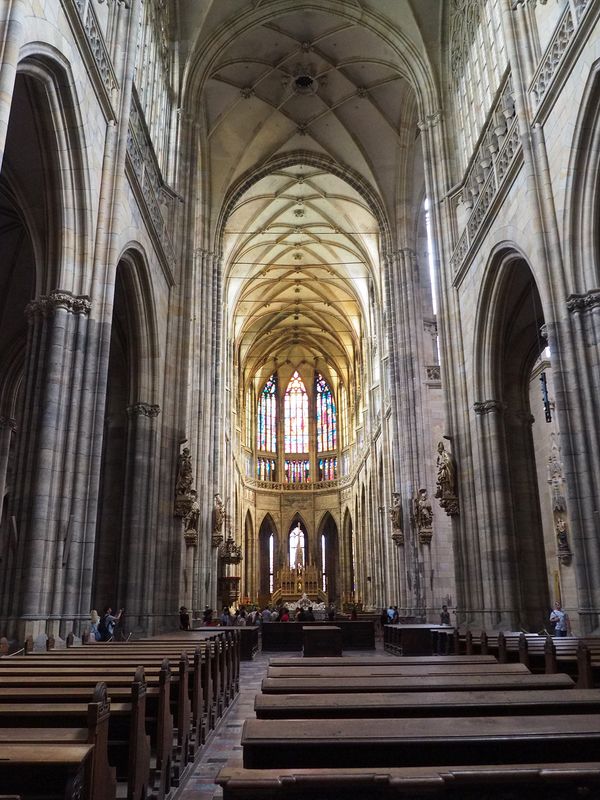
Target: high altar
x,y
293,582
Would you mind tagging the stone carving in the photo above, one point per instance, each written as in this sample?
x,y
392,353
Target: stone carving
x,y
499,149
96,43
46,305
230,552
423,516
190,520
555,476
398,538
553,56
396,511
487,406
562,541
184,473
446,481
218,521
8,422
433,372
583,302
143,410
184,494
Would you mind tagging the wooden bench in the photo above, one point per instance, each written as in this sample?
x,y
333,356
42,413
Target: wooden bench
x,y
89,728
400,670
36,690
376,661
419,683
323,743
533,781
52,770
112,658
427,704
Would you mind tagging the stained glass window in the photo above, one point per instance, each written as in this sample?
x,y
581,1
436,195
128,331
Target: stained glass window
x,y
326,417
327,469
297,471
296,416
266,469
266,423
296,549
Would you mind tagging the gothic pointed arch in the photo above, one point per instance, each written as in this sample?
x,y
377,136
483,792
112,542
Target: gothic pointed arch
x,y
269,547
508,346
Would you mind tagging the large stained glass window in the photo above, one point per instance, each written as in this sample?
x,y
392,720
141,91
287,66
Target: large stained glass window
x,y
295,411
266,423
326,416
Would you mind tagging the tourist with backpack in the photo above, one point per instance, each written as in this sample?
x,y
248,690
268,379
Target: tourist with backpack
x,y
107,624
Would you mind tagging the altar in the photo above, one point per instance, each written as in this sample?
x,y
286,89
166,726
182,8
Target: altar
x,y
294,582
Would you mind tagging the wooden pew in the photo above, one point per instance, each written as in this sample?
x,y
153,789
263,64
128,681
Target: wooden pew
x,y
432,683
323,743
532,781
100,780
401,670
52,771
114,663
35,689
376,705
376,661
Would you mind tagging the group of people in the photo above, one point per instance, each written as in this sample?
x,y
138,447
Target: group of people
x,y
104,628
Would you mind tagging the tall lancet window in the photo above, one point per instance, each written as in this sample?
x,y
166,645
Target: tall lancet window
x,y
296,416
326,416
266,423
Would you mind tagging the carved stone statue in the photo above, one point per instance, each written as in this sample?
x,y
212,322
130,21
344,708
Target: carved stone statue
x,y
446,481
190,520
396,511
422,510
446,473
218,521
183,484
218,514
562,541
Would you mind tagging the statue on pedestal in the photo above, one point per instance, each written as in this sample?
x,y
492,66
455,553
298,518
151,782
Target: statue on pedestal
x,y
183,484
423,515
446,481
218,520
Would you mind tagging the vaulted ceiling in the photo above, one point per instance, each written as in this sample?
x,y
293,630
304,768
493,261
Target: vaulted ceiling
x,y
322,91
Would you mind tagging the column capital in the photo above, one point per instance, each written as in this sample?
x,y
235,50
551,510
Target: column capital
x,y
430,120
8,422
143,410
578,303
489,406
47,304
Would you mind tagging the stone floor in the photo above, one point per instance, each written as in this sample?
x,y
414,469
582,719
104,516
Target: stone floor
x,y
225,743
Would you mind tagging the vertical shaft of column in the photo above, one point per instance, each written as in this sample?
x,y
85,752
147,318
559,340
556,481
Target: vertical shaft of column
x,y
137,560
45,476
12,15
7,429
487,573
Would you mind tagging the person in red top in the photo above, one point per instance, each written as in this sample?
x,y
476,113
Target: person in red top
x,y
285,617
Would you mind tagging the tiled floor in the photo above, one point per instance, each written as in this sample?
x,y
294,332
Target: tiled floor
x,y
225,743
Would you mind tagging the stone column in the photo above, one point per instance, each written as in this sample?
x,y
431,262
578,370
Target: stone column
x,y
485,580
580,433
8,426
407,361
12,17
139,519
47,514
